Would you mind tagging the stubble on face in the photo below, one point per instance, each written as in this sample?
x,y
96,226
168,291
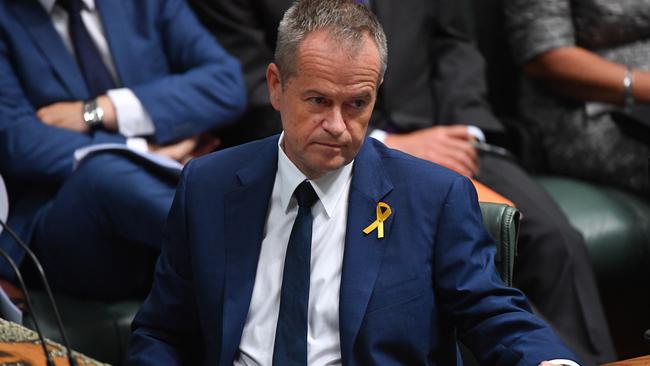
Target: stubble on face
x,y
326,105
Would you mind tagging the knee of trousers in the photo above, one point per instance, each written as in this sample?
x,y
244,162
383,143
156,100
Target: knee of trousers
x,y
114,182
106,177
103,172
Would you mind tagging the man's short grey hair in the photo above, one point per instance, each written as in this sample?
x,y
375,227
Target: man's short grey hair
x,y
345,21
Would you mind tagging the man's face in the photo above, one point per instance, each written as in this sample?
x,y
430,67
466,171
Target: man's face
x,y
326,105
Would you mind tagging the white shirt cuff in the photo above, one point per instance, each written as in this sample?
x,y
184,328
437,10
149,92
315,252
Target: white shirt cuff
x,y
132,118
137,144
561,361
379,135
476,132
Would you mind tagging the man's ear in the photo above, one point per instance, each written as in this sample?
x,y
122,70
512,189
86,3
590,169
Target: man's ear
x,y
274,84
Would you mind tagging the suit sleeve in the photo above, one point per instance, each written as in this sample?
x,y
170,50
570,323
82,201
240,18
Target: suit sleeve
x,y
29,149
206,88
459,73
493,320
166,329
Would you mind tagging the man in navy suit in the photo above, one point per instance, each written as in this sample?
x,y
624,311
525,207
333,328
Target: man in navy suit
x,y
322,247
434,88
76,73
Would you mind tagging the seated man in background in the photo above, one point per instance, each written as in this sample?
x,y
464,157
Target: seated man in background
x,y
272,256
436,83
77,73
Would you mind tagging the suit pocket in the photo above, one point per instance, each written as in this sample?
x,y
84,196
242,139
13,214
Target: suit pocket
x,y
399,294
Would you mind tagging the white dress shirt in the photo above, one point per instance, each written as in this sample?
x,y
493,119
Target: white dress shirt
x,y
328,238
132,118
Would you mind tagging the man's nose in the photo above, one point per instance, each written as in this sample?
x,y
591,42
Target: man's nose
x,y
335,122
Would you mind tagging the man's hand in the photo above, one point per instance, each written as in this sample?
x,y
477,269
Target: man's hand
x,y
448,146
69,115
184,150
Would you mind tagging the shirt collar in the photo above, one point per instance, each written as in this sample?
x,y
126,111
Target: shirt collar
x,y
49,4
329,187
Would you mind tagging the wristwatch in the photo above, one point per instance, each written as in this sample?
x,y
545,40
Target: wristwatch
x,y
93,114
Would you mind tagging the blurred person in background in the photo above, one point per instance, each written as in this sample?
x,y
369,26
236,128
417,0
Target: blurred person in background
x,y
78,73
587,86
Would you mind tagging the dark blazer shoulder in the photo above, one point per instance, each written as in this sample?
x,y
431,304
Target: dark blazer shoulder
x,y
228,165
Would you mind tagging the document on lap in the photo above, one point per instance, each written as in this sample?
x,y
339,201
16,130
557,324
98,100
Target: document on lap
x,y
159,162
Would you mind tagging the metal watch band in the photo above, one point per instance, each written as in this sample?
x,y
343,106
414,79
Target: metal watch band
x,y
93,114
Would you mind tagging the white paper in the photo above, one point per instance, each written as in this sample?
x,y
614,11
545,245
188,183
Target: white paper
x,y
157,159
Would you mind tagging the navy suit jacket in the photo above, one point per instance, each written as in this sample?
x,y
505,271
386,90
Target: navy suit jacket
x,y
404,299
184,79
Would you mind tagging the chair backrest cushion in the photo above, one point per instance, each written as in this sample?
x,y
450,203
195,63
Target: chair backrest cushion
x,y
502,222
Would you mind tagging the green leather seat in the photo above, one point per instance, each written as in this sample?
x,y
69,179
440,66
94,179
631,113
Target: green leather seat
x,y
99,330
612,222
616,227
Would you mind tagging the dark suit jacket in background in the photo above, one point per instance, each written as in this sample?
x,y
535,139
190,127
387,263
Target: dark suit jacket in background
x,y
401,296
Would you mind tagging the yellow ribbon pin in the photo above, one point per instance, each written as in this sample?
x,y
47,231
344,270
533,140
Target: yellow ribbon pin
x,y
383,212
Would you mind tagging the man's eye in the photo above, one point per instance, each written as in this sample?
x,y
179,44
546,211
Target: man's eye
x,y
358,104
317,100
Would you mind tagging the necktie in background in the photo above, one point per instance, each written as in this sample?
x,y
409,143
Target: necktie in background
x,y
98,78
291,333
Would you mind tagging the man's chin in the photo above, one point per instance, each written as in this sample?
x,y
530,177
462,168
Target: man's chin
x,y
322,167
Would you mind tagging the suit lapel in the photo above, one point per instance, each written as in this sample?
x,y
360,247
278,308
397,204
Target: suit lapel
x,y
246,207
117,31
363,253
39,26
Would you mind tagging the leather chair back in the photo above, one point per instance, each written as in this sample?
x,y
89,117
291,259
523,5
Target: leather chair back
x,y
502,222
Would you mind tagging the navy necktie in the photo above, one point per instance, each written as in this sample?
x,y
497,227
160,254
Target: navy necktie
x,y
291,333
98,79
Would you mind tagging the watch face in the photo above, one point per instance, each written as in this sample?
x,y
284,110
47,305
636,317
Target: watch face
x,y
93,114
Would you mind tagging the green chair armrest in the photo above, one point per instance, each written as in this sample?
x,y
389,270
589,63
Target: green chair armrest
x,y
502,222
